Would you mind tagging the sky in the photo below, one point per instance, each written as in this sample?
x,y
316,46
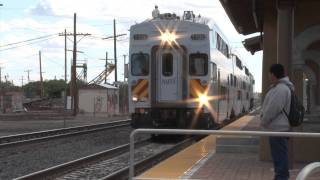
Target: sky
x,y
22,20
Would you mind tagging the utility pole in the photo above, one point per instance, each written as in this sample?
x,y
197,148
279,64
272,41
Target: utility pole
x,y
65,69
115,52
124,67
41,80
74,64
28,71
6,77
115,48
22,78
65,55
106,67
73,83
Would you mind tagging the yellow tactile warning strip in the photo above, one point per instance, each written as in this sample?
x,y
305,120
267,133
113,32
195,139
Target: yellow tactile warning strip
x,y
177,165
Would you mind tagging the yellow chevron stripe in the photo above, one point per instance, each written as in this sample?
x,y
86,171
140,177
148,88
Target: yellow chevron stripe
x,y
195,87
139,86
196,84
144,93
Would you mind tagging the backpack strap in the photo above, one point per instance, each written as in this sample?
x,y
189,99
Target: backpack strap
x,y
291,91
287,115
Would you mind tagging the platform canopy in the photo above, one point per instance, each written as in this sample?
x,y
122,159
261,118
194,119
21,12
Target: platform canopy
x,y
245,15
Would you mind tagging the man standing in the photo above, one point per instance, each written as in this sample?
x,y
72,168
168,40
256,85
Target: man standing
x,y
155,12
277,100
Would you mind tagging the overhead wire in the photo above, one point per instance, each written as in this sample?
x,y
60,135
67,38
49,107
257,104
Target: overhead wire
x,y
28,43
41,37
52,61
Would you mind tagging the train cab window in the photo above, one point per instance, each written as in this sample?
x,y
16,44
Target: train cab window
x,y
198,64
167,64
140,64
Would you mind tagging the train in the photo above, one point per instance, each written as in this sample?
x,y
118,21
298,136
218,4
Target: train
x,y
183,74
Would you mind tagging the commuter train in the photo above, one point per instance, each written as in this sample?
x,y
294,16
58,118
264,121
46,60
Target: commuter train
x,y
182,74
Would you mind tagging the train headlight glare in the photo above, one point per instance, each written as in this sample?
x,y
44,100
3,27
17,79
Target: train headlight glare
x,y
134,99
168,37
203,99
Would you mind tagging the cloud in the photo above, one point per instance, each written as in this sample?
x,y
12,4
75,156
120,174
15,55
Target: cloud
x,y
42,8
96,17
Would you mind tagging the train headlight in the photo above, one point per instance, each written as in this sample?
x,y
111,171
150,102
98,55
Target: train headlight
x,y
134,99
203,99
168,37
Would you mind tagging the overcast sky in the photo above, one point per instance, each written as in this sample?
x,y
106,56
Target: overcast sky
x,y
27,19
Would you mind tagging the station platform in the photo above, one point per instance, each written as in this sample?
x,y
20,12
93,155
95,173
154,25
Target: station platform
x,y
221,158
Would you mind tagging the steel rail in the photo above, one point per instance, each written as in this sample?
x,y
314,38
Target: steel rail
x,y
144,164
20,139
59,170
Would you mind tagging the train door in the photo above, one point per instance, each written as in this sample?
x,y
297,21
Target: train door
x,y
168,65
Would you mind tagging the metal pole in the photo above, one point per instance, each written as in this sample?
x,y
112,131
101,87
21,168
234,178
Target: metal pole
x,y
74,71
65,69
41,80
115,52
106,68
305,172
124,67
28,73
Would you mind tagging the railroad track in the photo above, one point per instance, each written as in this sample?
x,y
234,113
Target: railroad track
x,y
111,164
26,138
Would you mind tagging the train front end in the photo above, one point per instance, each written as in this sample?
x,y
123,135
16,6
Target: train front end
x,y
169,74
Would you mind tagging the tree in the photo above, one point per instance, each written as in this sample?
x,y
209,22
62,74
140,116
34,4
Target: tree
x,y
32,89
54,88
8,86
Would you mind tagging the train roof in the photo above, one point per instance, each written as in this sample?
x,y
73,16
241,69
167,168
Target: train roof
x,y
187,18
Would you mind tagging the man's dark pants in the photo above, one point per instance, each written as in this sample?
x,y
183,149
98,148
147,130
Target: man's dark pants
x,y
279,152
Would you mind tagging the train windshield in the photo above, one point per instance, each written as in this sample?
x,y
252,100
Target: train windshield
x,y
198,64
140,64
167,64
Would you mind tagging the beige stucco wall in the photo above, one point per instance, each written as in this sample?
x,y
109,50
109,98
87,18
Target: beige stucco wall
x,y
99,101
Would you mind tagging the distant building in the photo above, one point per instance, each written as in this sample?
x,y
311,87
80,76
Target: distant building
x,y
99,99
11,102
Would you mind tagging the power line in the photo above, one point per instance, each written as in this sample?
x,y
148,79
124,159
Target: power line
x,y
27,44
52,61
41,37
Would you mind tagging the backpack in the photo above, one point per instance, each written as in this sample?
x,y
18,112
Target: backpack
x,y
296,112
